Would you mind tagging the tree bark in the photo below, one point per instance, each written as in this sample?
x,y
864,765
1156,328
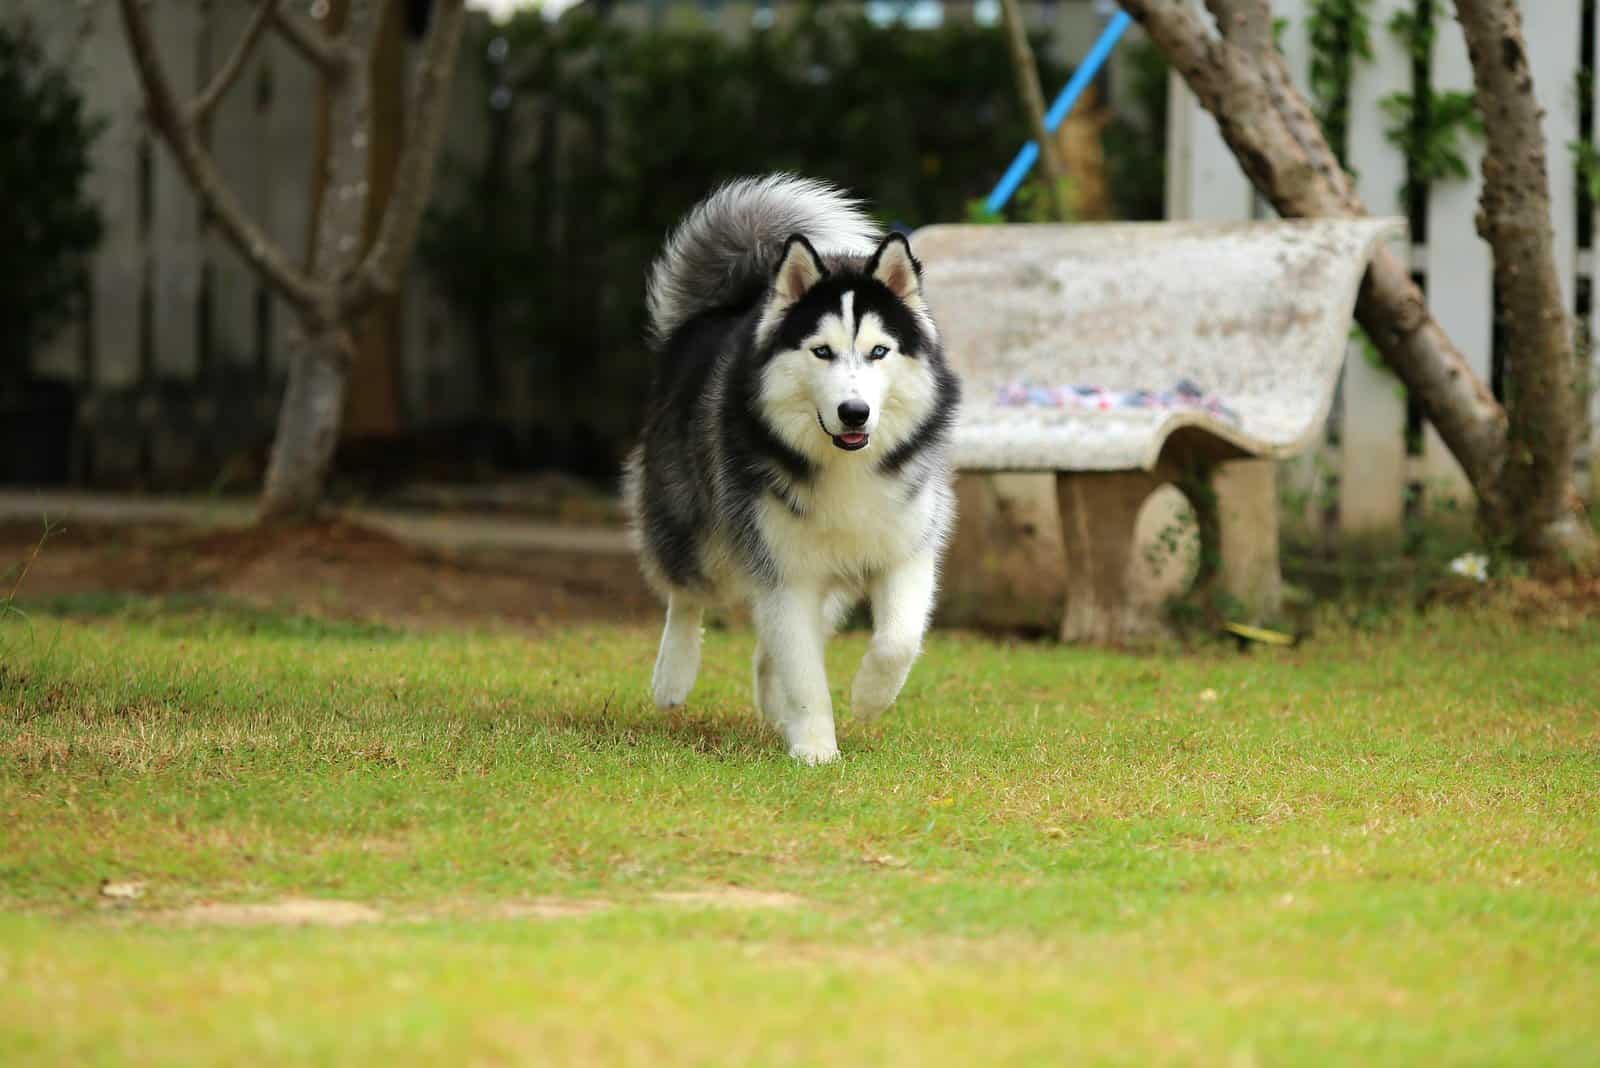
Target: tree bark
x,y
319,368
1543,512
308,427
1243,82
332,29
1028,91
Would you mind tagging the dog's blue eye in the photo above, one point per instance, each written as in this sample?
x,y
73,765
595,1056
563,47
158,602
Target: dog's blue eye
x,y
822,352
879,352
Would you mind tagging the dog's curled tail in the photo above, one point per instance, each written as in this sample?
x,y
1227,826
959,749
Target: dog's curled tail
x,y
730,242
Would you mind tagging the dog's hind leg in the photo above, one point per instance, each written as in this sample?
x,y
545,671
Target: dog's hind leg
x,y
768,696
902,601
792,677
678,661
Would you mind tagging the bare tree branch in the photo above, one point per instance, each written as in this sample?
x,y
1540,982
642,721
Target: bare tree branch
x,y
327,54
1304,127
1027,75
381,270
180,135
201,107
1244,23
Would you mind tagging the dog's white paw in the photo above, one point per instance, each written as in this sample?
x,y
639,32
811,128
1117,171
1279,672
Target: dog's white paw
x,y
879,681
871,696
671,684
814,753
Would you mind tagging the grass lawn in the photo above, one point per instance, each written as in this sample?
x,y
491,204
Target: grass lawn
x,y
1382,846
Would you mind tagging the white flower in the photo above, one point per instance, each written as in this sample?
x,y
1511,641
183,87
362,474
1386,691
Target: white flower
x,y
1472,566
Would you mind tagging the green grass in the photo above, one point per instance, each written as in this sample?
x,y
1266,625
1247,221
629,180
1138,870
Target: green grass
x,y
1382,846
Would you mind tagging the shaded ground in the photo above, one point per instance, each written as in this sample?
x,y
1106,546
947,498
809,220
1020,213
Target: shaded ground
x,y
339,569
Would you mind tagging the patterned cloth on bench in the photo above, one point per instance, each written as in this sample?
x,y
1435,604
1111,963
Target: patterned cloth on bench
x,y
1184,395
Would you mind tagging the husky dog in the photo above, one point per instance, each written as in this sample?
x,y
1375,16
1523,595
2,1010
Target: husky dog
x,y
795,453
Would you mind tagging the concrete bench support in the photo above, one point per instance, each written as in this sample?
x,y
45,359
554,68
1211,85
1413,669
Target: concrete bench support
x,y
1237,507
1099,510
1246,494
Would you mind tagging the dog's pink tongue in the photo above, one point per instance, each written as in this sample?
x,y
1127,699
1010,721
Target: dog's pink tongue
x,y
852,439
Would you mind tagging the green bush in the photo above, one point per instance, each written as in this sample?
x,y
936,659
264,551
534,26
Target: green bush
x,y
49,224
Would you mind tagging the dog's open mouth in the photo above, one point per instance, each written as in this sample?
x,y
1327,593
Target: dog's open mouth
x,y
849,441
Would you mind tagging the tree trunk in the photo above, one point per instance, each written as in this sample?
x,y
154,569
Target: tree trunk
x,y
308,426
1543,513
319,369
1242,80
1027,74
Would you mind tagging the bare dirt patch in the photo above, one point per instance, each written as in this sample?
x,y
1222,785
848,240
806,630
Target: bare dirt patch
x,y
295,912
337,568
317,912
548,908
730,897
737,898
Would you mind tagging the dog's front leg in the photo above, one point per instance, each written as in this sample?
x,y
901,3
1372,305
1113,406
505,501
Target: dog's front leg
x,y
902,601
678,660
789,627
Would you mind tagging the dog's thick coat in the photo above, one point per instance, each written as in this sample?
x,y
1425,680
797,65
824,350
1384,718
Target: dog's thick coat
x,y
795,453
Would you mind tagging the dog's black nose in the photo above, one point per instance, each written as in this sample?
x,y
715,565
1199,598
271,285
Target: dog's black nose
x,y
853,413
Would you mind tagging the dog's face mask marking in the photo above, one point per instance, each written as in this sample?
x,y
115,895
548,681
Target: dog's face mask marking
x,y
844,364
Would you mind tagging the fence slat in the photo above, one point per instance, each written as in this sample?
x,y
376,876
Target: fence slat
x,y
1373,418
1294,41
1460,278
1209,185
111,90
1213,188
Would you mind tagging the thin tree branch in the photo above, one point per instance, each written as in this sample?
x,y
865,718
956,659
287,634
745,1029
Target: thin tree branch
x,y
1245,23
201,107
327,54
198,167
380,272
1301,122
1027,75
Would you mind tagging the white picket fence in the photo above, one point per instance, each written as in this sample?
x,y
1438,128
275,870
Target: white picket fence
x,y
1365,469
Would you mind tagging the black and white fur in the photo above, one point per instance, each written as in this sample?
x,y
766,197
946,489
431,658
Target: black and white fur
x,y
795,453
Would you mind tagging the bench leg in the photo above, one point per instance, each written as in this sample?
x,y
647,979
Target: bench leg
x,y
1099,512
1246,534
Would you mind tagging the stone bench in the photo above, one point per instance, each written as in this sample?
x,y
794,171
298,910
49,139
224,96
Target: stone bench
x,y
1257,315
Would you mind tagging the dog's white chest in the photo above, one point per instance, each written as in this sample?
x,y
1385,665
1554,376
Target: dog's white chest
x,y
850,521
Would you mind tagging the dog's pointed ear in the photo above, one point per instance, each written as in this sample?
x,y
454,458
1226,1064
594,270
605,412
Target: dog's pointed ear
x,y
798,270
895,266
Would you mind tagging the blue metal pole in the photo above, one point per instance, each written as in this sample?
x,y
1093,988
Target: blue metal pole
x,y
1029,153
